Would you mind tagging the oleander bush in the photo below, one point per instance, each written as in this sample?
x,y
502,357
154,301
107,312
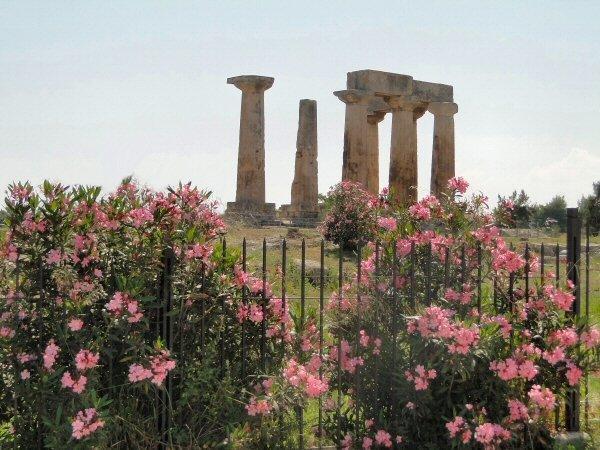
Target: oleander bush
x,y
84,360
448,339
126,323
351,218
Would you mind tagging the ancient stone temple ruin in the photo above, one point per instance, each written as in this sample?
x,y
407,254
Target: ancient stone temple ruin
x,y
369,96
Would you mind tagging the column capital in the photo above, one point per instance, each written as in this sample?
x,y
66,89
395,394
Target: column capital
x,y
404,103
375,117
251,83
443,108
355,96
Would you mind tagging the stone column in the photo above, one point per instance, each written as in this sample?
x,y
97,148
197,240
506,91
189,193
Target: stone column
x,y
403,180
250,193
305,187
442,158
354,167
373,151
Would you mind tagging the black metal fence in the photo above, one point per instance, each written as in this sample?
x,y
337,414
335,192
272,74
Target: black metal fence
x,y
249,358
323,279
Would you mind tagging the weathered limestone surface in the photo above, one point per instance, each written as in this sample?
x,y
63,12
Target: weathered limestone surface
x,y
442,158
250,192
387,83
357,102
403,173
372,162
305,187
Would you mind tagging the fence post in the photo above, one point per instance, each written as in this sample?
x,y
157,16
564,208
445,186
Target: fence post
x,y
573,258
165,328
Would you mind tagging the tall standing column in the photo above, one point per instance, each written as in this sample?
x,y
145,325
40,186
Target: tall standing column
x,y
250,193
403,178
305,187
354,166
373,151
442,157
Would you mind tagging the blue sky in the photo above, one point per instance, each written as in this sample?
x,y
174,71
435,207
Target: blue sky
x,y
93,91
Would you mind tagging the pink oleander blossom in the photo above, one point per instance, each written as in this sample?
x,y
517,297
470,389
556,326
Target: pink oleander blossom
x,y
542,397
75,324
85,360
458,184
77,385
85,423
50,354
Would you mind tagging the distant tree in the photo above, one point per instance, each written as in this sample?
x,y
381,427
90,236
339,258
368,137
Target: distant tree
x,y
514,211
551,214
590,209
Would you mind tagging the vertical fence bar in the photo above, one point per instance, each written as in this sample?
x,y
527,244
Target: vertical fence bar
x,y
573,257
166,335
223,320
586,410
301,334
377,301
339,347
357,344
428,273
283,290
202,310
479,281
321,307
263,323
543,264
413,281
557,263
244,303
463,265
447,268
394,317
527,268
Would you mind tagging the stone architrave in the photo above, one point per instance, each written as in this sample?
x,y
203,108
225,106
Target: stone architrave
x,y
372,184
250,192
442,157
354,167
403,175
305,187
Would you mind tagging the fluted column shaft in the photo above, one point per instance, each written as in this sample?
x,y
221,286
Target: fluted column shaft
x,y
354,167
403,176
443,152
305,187
372,168
251,152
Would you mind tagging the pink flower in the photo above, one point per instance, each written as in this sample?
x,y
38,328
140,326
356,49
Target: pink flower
x,y
54,256
542,397
573,374
85,360
140,217
458,184
75,324
160,366
76,385
591,338
50,355
258,407
137,372
387,223
455,426
491,435
25,374
367,443
420,377
7,332
85,423
420,212
122,305
518,411
383,438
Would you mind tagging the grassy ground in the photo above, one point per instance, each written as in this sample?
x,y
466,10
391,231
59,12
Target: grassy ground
x,y
273,236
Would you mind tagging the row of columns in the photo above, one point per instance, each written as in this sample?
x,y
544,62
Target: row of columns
x,y
361,142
